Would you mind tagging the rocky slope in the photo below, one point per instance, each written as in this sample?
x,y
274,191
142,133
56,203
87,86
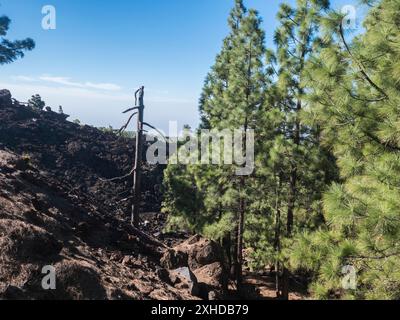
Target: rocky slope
x,y
56,208
82,156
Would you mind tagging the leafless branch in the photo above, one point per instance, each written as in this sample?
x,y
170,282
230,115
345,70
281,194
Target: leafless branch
x,y
131,109
123,128
154,128
125,200
119,178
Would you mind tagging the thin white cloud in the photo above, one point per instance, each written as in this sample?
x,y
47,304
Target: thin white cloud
x,y
103,86
23,78
90,90
69,83
60,80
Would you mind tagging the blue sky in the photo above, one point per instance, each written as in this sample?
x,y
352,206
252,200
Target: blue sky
x,y
102,50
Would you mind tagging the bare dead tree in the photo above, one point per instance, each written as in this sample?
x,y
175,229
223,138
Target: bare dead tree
x,y
139,101
137,169
138,161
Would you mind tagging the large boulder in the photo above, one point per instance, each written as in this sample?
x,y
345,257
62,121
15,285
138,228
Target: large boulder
x,y
201,251
205,259
173,259
213,275
213,281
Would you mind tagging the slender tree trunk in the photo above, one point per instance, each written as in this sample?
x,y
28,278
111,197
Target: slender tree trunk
x,y
235,261
138,163
289,228
292,198
291,201
277,244
227,246
242,202
242,212
293,175
239,271
285,284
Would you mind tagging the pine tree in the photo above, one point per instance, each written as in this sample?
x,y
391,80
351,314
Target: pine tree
x,y
232,98
36,102
355,99
304,172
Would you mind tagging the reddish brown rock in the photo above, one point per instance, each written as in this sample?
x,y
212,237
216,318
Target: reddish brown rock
x,y
201,251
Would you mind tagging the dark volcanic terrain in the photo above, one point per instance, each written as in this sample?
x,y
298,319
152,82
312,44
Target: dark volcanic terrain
x,y
57,208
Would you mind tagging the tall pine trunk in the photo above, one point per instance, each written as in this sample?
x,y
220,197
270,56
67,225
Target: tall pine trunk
x,y
235,261
293,175
239,270
227,247
277,243
292,199
242,204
